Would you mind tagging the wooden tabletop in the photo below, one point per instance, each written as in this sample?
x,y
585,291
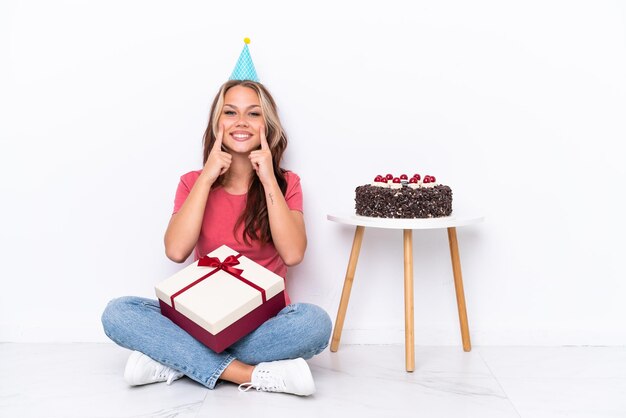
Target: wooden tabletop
x,y
453,220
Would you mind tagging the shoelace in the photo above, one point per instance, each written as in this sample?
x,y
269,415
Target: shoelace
x,y
266,383
164,372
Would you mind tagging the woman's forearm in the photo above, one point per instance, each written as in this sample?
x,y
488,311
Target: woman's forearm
x,y
184,228
287,226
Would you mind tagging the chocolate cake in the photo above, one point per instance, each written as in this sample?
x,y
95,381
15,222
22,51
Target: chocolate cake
x,y
400,197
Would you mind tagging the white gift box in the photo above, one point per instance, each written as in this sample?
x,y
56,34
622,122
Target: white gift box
x,y
221,298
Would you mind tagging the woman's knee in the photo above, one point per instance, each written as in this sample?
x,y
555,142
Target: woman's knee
x,y
111,312
117,310
318,324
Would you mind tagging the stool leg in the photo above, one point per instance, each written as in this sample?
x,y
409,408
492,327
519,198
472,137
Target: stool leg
x,y
458,286
409,334
347,287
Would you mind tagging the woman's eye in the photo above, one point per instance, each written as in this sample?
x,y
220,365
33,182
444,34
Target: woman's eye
x,y
229,112
255,114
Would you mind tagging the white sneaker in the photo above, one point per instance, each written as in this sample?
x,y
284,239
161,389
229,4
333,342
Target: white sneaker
x,y
289,376
141,370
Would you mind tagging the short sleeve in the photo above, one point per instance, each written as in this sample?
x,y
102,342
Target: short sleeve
x,y
293,194
184,187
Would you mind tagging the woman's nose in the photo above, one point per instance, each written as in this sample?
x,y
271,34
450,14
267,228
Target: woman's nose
x,y
241,122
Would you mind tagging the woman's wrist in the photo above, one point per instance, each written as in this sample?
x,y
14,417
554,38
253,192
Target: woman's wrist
x,y
272,192
206,180
271,185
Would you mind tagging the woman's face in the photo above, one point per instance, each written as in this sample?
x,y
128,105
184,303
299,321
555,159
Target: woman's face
x,y
242,119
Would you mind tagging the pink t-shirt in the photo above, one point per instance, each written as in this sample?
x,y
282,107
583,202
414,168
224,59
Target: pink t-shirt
x,y
220,215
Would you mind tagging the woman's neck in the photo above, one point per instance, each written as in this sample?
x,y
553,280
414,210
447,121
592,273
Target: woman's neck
x,y
237,178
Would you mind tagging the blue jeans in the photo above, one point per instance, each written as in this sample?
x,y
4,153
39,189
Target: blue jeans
x,y
299,330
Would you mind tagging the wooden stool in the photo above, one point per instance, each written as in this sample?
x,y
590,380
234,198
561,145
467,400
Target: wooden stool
x,y
408,225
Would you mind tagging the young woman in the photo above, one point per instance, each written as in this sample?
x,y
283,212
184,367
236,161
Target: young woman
x,y
244,199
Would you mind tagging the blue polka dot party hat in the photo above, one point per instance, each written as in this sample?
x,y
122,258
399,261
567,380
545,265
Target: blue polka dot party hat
x,y
244,70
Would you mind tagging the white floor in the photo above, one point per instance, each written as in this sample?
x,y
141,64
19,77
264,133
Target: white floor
x,y
85,380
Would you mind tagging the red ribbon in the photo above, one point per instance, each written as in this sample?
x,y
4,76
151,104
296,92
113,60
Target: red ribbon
x,y
228,266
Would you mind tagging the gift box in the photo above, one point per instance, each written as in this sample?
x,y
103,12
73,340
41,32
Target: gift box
x,y
221,297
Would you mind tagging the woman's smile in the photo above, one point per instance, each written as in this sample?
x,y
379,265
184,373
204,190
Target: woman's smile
x,y
241,136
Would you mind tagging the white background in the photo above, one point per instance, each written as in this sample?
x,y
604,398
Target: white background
x,y
518,106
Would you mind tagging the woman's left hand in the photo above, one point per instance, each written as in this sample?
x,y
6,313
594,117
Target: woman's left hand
x,y
262,160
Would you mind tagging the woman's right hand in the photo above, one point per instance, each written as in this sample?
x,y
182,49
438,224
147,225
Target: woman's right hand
x,y
218,161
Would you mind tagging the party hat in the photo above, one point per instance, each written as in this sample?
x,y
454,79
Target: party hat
x,y
244,70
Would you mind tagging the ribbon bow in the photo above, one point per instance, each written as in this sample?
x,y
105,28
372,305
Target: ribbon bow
x,y
226,265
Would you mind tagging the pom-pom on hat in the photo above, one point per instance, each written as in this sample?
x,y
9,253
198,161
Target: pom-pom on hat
x,y
244,69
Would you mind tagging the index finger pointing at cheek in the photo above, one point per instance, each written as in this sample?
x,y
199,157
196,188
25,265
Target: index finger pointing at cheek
x,y
218,139
264,144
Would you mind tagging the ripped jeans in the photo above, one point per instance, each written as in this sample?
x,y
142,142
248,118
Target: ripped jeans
x,y
299,330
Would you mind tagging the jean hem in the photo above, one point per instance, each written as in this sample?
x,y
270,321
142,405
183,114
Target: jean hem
x,y
215,376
